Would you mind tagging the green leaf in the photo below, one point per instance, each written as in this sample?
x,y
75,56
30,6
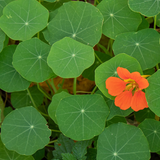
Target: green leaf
x,y
153,92
54,104
80,149
151,130
25,122
109,69
8,155
116,119
22,99
30,60
7,110
68,156
158,20
89,72
0,115
50,0
144,24
81,21
142,45
10,79
63,145
122,141
148,8
116,13
91,154
3,3
40,154
2,39
22,19
69,58
143,114
82,117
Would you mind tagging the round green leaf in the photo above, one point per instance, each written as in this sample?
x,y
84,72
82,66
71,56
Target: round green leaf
x,y
5,154
50,0
143,114
82,117
153,93
22,19
3,3
30,60
122,142
148,8
109,69
54,104
22,99
69,58
81,21
151,130
2,39
10,79
142,45
116,13
116,119
144,24
25,131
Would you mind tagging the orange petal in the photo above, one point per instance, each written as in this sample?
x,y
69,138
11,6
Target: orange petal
x,y
124,100
143,83
136,76
139,101
123,73
115,86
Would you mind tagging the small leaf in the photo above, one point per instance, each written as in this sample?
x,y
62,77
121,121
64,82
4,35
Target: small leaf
x,y
143,114
80,149
153,92
116,13
81,117
91,154
68,156
116,119
2,39
148,8
63,145
122,141
69,58
81,21
22,19
109,69
151,130
8,155
25,122
144,24
7,110
142,45
30,60
22,99
10,79
54,104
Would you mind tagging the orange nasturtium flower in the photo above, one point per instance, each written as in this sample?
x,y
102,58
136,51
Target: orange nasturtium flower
x,y
128,89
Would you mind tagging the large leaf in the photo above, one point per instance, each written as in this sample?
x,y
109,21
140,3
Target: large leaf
x,y
22,99
122,142
68,156
54,104
2,39
81,117
5,154
10,79
69,58
25,131
153,93
81,21
30,60
148,8
22,19
109,69
142,45
3,3
116,13
151,130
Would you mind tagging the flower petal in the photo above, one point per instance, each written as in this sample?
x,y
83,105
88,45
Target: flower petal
x,y
124,100
115,86
143,83
139,101
123,73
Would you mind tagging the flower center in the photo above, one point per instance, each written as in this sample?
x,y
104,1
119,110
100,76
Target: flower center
x,y
131,85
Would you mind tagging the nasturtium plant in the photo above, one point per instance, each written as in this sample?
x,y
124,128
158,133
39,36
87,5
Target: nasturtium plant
x,y
79,80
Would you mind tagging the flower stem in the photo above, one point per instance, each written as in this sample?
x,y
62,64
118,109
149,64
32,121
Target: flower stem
x,y
53,86
155,21
157,66
55,130
49,87
98,58
94,90
53,141
45,94
103,48
31,99
74,86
